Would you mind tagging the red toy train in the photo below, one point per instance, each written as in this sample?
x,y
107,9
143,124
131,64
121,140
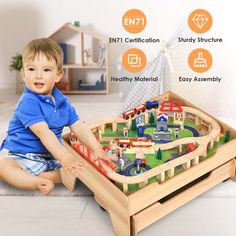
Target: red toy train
x,y
135,143
140,108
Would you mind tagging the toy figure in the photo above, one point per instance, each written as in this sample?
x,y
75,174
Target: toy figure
x,y
89,56
176,133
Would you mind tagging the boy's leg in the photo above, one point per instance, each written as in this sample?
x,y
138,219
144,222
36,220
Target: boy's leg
x,y
54,176
12,173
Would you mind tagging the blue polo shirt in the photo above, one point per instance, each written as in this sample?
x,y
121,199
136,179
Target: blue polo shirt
x,y
31,109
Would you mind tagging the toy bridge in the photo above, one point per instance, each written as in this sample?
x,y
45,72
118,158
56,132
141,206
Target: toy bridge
x,y
171,106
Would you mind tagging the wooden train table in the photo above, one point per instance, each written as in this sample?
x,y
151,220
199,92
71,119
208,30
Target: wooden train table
x,y
169,152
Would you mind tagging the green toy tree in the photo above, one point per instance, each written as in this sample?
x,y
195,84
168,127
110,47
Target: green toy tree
x,y
159,154
134,125
151,118
227,136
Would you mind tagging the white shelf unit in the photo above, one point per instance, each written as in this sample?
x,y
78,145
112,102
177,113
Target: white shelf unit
x,y
86,60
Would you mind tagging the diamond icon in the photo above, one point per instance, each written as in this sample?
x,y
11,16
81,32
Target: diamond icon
x,y
200,20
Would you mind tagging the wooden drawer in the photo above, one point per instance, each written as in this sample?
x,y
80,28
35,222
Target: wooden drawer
x,y
166,205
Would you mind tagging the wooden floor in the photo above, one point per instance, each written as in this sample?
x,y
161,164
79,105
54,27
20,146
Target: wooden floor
x,y
213,213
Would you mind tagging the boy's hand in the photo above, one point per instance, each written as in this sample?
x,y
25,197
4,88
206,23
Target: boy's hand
x,y
71,163
99,153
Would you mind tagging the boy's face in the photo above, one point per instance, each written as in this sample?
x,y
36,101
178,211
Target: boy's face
x,y
41,74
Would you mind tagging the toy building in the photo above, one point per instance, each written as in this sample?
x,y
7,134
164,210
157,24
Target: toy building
x,y
162,120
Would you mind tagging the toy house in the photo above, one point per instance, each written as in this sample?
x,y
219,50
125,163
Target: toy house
x,y
162,120
178,117
85,60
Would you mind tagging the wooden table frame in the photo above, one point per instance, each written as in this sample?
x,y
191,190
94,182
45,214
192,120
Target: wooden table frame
x,y
130,214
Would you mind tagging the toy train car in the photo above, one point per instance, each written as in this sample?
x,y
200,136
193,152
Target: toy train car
x,y
124,143
151,104
135,143
140,108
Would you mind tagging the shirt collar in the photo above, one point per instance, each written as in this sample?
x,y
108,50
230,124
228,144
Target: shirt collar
x,y
59,97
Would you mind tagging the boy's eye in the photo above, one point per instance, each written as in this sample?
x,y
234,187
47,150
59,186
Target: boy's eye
x,y
31,69
47,70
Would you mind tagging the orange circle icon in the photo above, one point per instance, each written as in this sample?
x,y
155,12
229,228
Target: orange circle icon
x,y
134,21
200,60
200,21
134,60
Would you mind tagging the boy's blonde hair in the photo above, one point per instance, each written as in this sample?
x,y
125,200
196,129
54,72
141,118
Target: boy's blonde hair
x,y
47,47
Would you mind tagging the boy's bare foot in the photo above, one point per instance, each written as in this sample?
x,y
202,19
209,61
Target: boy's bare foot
x,y
54,176
45,186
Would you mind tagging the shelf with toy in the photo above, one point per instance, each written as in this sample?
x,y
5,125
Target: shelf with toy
x,y
84,52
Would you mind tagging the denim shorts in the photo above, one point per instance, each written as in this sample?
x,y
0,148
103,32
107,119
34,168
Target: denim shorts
x,y
35,163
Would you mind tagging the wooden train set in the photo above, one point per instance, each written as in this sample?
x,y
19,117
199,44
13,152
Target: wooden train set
x,y
160,171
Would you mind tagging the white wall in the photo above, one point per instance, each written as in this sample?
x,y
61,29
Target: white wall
x,y
24,20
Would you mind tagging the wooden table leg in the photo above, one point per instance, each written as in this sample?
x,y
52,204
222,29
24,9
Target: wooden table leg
x,y
68,179
120,222
233,178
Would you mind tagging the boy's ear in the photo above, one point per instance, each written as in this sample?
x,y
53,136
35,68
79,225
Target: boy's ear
x,y
59,75
22,74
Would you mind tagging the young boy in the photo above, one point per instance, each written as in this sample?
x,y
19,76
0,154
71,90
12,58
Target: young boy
x,y
34,137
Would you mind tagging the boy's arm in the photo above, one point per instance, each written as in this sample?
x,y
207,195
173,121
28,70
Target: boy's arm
x,y
85,135
51,143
